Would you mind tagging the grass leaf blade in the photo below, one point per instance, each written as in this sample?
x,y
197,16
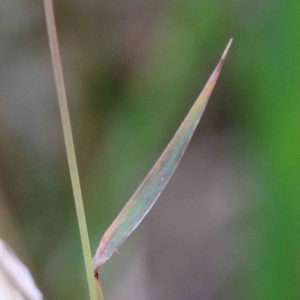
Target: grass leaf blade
x,y
148,192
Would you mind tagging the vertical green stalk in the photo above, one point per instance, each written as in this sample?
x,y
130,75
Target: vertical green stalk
x,y
62,99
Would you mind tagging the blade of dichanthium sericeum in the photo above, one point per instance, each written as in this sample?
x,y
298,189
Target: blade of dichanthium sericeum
x,y
150,189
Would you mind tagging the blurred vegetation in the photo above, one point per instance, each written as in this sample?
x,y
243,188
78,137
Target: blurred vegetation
x,y
133,69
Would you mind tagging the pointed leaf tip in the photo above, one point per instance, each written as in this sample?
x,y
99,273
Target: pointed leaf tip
x,y
220,64
148,192
227,49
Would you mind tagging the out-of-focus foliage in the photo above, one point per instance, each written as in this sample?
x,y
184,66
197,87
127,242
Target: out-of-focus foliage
x,y
15,279
133,68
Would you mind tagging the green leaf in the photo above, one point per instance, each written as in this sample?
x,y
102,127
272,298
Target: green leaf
x,y
148,192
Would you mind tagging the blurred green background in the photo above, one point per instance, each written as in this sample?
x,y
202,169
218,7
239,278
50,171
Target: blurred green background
x,y
227,226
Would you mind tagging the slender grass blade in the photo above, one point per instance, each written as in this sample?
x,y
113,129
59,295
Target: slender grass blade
x,y
148,192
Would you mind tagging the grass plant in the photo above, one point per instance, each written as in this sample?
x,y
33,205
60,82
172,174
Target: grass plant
x,y
148,192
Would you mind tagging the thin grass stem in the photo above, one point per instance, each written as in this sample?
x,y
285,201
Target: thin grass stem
x,y
94,288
